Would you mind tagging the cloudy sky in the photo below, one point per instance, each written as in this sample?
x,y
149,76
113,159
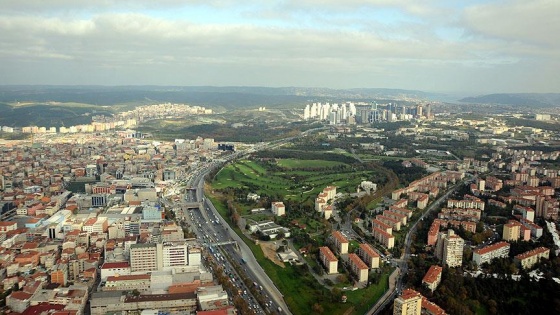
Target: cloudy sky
x,y
432,45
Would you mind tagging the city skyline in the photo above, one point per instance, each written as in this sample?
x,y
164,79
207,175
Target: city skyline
x,y
475,47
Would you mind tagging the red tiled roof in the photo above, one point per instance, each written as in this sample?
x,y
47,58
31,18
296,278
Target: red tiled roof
x,y
357,261
327,253
339,237
533,252
119,264
369,250
489,248
432,275
128,277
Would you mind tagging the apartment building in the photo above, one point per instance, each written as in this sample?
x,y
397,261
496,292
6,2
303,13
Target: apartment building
x,y
384,238
490,252
528,259
358,267
408,303
432,278
449,249
7,226
340,243
375,223
511,231
278,208
328,259
59,274
369,255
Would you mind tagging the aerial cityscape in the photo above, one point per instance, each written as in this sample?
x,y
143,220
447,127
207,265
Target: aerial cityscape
x,y
284,157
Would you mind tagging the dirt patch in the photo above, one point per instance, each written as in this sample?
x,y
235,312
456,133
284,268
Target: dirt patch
x,y
269,250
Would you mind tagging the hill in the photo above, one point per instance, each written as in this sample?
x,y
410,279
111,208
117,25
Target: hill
x,y
517,99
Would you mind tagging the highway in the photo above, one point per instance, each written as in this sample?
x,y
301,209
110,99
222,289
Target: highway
x,y
223,243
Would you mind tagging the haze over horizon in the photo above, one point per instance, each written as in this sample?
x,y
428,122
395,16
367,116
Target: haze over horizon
x,y
432,45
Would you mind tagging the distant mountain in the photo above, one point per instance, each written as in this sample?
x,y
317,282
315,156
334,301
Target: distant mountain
x,y
517,99
228,96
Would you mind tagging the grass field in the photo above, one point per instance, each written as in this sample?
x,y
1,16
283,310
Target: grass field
x,y
292,179
293,163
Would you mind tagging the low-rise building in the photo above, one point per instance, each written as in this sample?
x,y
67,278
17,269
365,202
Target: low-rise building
x,y
528,259
486,254
432,278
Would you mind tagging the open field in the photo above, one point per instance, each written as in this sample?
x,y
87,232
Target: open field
x,y
292,179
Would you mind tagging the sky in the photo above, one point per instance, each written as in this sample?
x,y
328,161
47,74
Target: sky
x,y
449,46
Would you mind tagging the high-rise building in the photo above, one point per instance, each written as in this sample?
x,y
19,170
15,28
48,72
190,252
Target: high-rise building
x,y
449,249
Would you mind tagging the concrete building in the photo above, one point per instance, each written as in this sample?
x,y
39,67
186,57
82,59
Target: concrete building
x,y
278,208
384,238
128,283
117,301
511,231
408,303
486,254
59,274
144,257
358,267
211,298
528,259
369,255
432,278
328,259
449,249
340,243
114,269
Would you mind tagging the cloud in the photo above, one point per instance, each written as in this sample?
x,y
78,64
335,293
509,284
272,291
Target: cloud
x,y
535,22
307,43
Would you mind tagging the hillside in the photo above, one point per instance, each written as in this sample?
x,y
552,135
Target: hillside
x,y
517,99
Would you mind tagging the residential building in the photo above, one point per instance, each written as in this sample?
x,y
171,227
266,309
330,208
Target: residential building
x,y
358,267
340,242
7,226
369,255
432,278
490,252
59,274
512,231
449,249
330,262
528,259
18,301
408,303
278,208
384,238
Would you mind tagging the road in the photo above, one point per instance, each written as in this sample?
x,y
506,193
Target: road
x,y
212,229
402,262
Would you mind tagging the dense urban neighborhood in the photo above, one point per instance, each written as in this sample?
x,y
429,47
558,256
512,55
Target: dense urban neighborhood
x,y
342,208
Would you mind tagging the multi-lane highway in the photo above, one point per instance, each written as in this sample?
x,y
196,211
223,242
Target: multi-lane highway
x,y
226,247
